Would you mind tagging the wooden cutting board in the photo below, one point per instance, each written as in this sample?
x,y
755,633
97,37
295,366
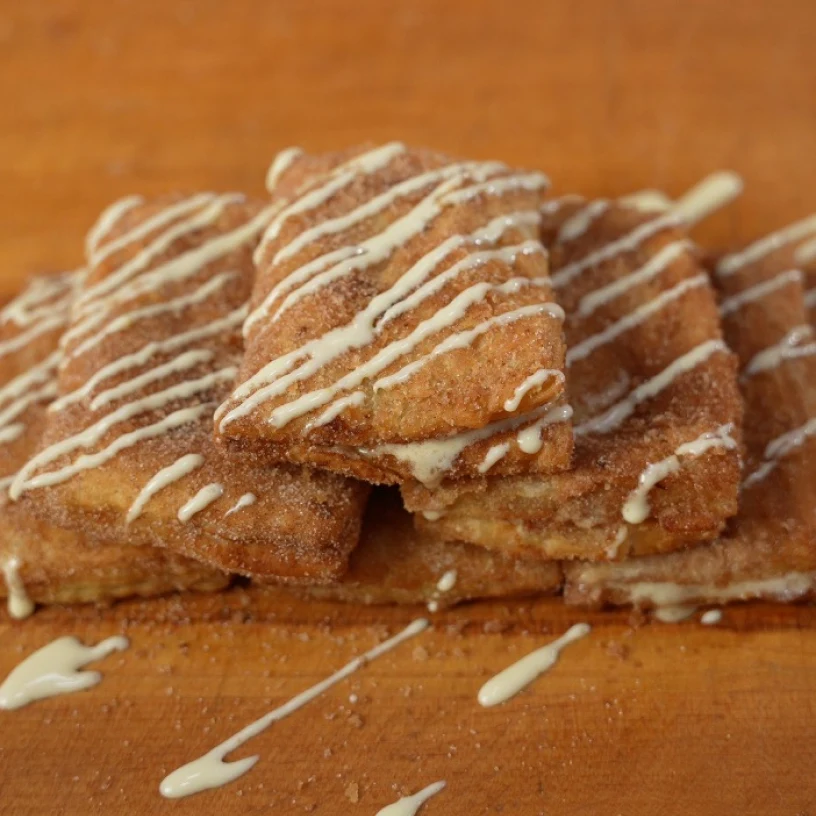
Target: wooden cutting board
x,y
100,99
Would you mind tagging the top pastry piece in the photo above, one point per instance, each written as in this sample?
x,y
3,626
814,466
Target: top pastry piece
x,y
402,322
152,348
653,387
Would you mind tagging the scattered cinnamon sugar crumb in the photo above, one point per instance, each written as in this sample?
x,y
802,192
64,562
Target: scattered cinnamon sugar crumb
x,y
353,792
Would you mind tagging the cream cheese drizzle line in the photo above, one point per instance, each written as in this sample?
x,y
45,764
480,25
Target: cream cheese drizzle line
x,y
280,164
770,243
627,243
55,669
785,588
806,252
513,679
622,410
41,374
636,508
319,272
211,771
42,297
41,327
674,614
410,805
779,448
791,347
20,606
431,459
247,500
445,584
147,352
275,378
759,291
634,318
201,501
108,219
13,409
25,481
711,617
312,197
178,269
182,467
575,226
707,196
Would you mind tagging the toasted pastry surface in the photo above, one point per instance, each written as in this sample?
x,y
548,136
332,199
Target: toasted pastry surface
x,y
769,548
40,561
656,406
395,563
152,349
402,322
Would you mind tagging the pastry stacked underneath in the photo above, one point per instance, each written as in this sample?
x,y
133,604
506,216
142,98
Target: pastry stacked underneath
x,y
405,378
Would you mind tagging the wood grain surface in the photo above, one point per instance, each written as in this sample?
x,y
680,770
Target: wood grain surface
x,y
100,99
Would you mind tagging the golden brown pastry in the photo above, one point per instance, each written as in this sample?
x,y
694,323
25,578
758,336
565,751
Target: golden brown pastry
x,y
396,564
402,323
42,563
656,406
769,549
152,349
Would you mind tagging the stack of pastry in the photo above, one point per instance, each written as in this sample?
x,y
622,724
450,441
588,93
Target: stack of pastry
x,y
544,393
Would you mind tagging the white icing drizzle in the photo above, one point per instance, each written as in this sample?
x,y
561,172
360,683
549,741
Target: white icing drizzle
x,y
55,669
11,432
406,293
660,261
13,409
41,374
759,291
433,515
495,454
790,347
711,617
410,805
443,318
211,771
810,299
779,448
784,588
201,501
770,243
337,407
636,508
622,410
210,287
42,298
323,270
365,164
25,481
533,381
20,606
674,614
108,220
650,201
280,164
500,186
640,315
41,327
529,439
182,467
806,252
142,230
627,243
447,582
513,679
464,339
148,352
575,226
430,459
247,500
708,195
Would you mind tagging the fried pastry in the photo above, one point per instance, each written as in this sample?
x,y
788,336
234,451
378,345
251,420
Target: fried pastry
x,y
656,405
41,562
769,549
152,348
396,564
402,322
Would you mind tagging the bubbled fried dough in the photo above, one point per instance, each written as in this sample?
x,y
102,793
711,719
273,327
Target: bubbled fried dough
x,y
649,378
153,347
396,564
55,565
769,548
402,323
